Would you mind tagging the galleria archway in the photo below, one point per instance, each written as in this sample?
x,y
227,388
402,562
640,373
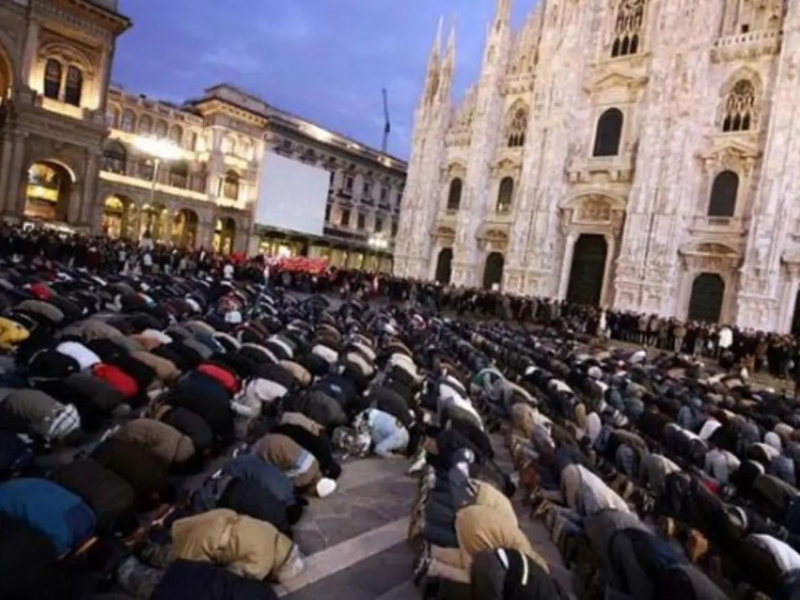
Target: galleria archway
x,y
47,191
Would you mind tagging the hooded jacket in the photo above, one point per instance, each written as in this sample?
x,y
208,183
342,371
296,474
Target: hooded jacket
x,y
164,441
291,458
246,546
59,514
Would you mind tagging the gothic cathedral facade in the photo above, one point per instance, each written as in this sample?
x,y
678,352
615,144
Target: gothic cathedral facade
x,y
636,154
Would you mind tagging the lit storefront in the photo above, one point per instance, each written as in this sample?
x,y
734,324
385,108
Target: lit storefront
x,y
343,249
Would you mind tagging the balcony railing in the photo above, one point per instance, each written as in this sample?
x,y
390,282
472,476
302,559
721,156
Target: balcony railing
x,y
753,44
745,39
708,224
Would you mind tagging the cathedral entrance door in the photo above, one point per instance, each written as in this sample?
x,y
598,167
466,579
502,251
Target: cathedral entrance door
x,y
588,270
796,318
493,273
444,266
708,291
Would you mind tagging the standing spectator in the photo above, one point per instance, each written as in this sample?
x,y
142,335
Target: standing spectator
x,y
725,338
679,333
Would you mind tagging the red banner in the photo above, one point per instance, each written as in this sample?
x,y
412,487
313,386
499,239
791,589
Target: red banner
x,y
303,264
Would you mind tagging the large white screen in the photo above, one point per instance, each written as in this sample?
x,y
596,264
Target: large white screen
x,y
292,195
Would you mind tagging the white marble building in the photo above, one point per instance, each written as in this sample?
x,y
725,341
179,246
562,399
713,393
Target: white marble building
x,y
641,154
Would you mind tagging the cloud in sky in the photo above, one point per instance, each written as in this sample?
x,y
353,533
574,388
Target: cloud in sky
x,y
325,60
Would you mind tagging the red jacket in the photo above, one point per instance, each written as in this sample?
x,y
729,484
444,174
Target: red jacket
x,y
222,376
115,376
41,291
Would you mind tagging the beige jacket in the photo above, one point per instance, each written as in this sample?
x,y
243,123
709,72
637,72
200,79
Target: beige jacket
x,y
482,528
246,546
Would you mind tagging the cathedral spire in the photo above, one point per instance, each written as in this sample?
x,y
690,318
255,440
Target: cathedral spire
x,y
448,64
498,37
502,16
434,66
437,41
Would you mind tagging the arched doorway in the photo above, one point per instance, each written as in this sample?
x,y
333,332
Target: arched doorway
x,y
796,317
153,222
444,266
116,216
708,292
493,273
224,235
588,270
47,192
184,229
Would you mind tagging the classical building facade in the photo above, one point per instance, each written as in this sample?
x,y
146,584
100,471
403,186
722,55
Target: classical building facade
x,y
641,154
78,151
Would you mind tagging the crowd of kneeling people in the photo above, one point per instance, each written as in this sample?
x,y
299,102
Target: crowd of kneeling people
x,y
161,436
655,476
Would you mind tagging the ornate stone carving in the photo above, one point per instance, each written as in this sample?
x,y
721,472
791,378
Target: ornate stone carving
x,y
595,209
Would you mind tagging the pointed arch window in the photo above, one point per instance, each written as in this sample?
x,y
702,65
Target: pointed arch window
x,y
628,28
609,133
74,88
517,128
723,195
505,195
454,197
52,79
740,108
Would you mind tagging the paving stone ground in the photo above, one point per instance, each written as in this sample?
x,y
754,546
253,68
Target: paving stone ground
x,y
355,540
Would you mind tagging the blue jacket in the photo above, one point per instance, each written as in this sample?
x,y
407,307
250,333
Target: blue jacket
x,y
270,477
59,514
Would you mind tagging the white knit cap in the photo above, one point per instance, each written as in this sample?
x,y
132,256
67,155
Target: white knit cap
x,y
325,487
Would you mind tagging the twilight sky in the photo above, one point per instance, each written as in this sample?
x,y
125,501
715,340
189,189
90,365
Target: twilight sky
x,y
324,60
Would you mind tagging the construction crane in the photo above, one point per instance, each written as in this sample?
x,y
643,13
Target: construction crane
x,y
387,128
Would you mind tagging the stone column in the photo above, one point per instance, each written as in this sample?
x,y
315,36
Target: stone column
x,y
103,79
205,234
788,298
611,247
566,265
74,208
166,233
5,170
16,192
31,50
87,213
685,293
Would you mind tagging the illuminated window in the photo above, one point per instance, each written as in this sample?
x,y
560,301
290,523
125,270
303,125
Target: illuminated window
x,y
230,186
52,79
128,121
74,89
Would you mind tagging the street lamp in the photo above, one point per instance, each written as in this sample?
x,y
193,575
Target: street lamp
x,y
160,150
